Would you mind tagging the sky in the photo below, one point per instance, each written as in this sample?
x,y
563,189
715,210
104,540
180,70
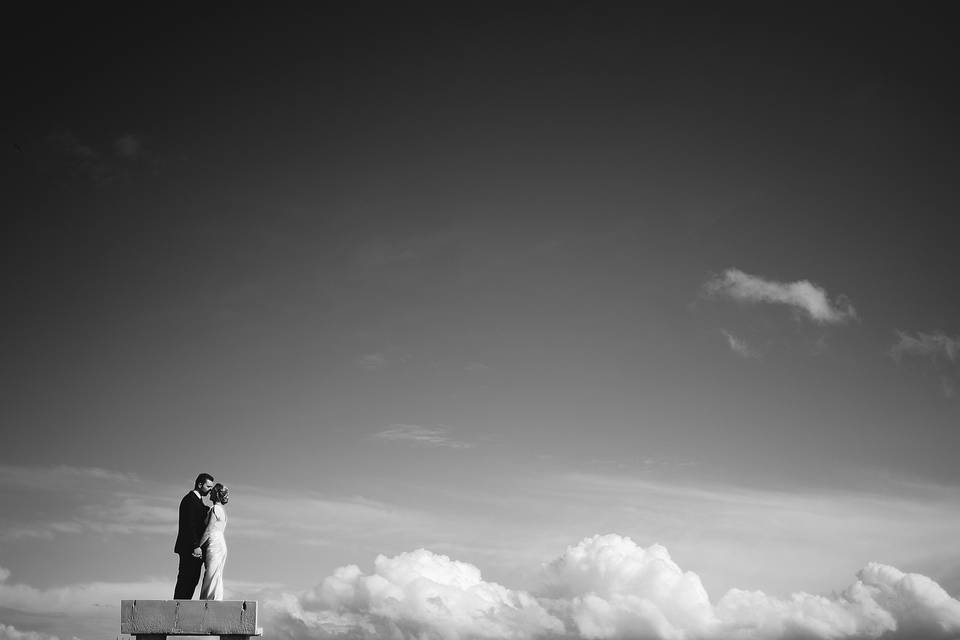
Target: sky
x,y
497,322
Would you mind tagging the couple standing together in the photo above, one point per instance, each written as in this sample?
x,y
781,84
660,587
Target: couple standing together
x,y
200,542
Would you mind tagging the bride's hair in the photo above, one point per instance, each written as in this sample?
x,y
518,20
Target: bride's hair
x,y
220,494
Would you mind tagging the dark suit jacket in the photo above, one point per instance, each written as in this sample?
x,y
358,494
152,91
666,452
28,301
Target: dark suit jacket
x,y
193,521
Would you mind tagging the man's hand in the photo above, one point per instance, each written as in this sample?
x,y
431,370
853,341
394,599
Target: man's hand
x,y
198,553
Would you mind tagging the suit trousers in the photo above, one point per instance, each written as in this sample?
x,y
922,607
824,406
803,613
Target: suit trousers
x,y
188,576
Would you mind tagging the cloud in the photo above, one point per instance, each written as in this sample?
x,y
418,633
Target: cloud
x,y
646,463
948,386
69,145
104,502
422,436
372,362
802,295
934,345
609,587
940,351
606,587
740,346
9,632
127,146
76,599
21,533
884,602
415,595
406,251
778,541
81,158
103,168
265,514
56,478
91,609
85,610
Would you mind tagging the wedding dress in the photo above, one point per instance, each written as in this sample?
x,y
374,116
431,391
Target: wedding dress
x,y
215,555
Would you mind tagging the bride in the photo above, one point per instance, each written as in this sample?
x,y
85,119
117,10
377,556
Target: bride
x,y
215,553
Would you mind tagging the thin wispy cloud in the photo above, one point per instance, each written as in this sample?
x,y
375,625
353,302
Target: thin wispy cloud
x,y
739,346
948,386
59,476
406,250
9,632
75,599
646,463
103,168
936,352
127,146
936,346
78,610
438,437
43,531
89,609
81,158
802,295
102,501
476,367
136,507
372,362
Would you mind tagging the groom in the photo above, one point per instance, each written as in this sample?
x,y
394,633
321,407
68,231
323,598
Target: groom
x,y
193,516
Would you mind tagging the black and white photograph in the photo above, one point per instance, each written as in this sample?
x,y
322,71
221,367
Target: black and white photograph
x,y
480,321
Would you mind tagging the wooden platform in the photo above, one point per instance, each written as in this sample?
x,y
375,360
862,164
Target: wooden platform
x,y
155,619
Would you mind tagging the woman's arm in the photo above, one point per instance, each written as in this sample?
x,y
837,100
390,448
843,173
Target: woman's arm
x,y
206,532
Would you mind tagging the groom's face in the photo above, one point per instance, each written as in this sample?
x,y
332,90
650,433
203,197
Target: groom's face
x,y
204,489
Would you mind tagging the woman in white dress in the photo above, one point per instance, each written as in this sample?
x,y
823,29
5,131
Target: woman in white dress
x,y
215,546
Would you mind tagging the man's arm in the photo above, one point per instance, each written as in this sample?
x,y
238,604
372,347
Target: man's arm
x,y
191,517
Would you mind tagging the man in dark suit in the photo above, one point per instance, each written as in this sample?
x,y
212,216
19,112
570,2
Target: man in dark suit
x,y
193,521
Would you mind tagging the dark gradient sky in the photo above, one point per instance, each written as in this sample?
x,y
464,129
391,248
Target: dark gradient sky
x,y
255,244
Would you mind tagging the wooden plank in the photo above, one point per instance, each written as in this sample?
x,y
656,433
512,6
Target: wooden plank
x,y
189,617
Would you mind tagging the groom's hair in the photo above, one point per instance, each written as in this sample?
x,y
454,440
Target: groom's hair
x,y
203,477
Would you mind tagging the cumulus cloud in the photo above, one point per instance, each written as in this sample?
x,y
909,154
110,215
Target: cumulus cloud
x,y
739,346
802,295
936,345
609,587
883,603
604,587
418,595
9,632
422,436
